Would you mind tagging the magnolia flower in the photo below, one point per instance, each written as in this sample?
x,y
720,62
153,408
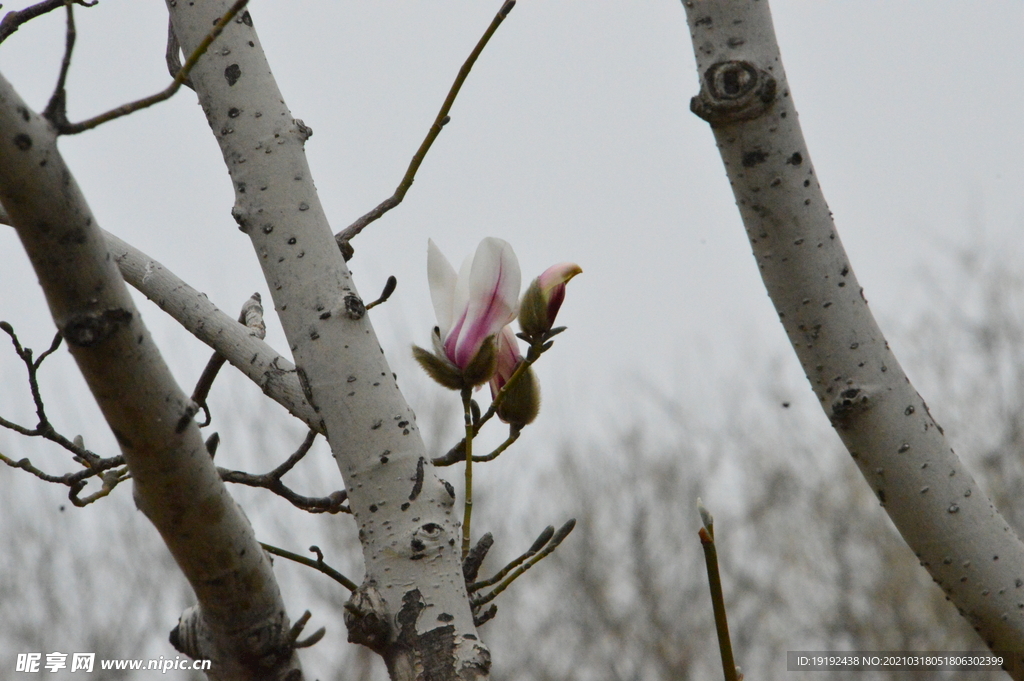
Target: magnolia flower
x,y
521,402
544,297
471,307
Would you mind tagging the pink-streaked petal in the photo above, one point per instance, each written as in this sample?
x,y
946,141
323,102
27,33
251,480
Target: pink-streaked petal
x,y
452,341
443,280
555,301
460,307
508,358
461,303
557,274
552,286
494,281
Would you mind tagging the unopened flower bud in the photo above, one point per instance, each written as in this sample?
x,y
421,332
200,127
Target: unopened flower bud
x,y
543,298
521,401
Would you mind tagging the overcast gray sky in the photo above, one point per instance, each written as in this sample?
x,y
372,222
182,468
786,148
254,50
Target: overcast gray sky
x,y
573,140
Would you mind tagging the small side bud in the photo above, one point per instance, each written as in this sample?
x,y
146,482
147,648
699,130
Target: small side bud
x,y
706,519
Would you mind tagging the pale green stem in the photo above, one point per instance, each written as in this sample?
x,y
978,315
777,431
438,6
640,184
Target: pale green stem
x,y
467,513
531,356
512,437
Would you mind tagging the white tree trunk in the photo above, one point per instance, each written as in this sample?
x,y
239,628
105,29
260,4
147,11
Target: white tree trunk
x,y
240,623
412,607
940,510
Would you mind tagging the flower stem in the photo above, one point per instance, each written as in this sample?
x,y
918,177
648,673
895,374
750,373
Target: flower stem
x,y
538,346
468,508
512,437
531,356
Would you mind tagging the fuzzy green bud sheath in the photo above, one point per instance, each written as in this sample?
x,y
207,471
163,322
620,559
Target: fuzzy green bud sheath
x,y
543,298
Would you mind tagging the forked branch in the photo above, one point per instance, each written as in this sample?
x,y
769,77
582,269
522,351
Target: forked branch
x,y
333,503
543,547
56,110
111,471
12,21
903,454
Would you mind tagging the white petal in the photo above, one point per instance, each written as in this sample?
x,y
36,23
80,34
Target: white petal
x,y
494,281
495,275
442,279
462,291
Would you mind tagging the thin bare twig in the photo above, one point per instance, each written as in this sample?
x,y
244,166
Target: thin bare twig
x,y
538,544
102,468
95,466
251,317
317,564
332,503
513,435
346,235
92,464
12,21
43,429
65,128
55,109
300,624
524,562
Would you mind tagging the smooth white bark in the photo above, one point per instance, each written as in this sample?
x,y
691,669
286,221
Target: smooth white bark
x,y
412,607
240,623
267,368
940,510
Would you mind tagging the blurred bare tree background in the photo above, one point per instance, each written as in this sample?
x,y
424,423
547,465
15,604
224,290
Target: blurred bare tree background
x,y
810,561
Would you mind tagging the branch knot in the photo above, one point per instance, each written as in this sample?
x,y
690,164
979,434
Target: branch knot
x,y
91,329
733,91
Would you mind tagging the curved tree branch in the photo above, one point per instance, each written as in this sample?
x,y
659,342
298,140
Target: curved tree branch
x,y
240,345
240,618
55,112
936,504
